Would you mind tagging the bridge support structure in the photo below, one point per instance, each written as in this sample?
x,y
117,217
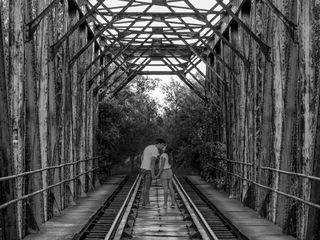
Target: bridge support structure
x,y
262,60
46,108
270,112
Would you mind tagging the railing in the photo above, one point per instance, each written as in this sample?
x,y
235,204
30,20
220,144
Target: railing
x,y
237,162
2,179
291,173
269,188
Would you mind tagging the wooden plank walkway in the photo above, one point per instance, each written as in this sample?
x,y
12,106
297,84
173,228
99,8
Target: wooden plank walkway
x,y
157,222
73,218
245,219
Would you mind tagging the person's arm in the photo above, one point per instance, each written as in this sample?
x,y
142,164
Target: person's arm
x,y
153,161
162,161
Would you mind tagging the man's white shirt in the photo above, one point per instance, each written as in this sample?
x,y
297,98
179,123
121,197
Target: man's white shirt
x,y
149,152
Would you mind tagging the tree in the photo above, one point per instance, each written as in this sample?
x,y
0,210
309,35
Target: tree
x,y
186,122
129,121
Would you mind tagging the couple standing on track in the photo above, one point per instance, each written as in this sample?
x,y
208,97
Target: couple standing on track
x,y
149,157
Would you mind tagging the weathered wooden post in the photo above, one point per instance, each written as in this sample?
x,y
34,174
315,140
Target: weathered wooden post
x,y
18,106
7,190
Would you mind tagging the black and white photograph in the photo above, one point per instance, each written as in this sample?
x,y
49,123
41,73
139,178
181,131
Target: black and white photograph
x,y
159,119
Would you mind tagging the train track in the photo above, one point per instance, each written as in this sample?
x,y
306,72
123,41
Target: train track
x,y
122,217
219,224
99,225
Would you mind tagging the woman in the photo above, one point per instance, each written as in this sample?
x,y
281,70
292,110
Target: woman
x,y
165,174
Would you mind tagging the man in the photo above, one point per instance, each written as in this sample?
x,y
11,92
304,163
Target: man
x,y
149,157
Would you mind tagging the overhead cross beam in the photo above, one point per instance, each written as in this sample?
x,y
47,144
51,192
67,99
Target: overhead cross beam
x,y
265,49
128,71
130,77
116,39
154,15
111,61
55,47
186,81
177,59
217,32
125,38
110,75
200,83
108,48
201,57
97,35
206,45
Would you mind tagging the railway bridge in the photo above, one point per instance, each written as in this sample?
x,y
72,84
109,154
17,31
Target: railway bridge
x,y
253,64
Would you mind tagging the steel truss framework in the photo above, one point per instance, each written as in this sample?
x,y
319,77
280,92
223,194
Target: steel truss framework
x,y
177,39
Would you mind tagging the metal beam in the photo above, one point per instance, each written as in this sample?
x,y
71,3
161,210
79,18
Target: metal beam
x,y
129,78
265,49
187,82
108,64
160,72
154,15
101,31
31,27
118,77
204,60
185,73
237,52
104,67
55,47
126,70
110,75
109,46
207,46
291,26
163,46
194,66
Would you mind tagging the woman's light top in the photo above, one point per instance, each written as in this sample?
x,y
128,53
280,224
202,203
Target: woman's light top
x,y
165,157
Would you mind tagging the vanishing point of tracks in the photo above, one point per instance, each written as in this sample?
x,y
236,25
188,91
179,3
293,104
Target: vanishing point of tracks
x,y
123,217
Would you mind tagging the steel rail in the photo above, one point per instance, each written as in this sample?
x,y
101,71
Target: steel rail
x,y
124,212
200,222
224,219
79,235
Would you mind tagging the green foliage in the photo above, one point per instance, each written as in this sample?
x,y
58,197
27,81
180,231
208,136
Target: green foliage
x,y
212,156
132,120
188,127
129,121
